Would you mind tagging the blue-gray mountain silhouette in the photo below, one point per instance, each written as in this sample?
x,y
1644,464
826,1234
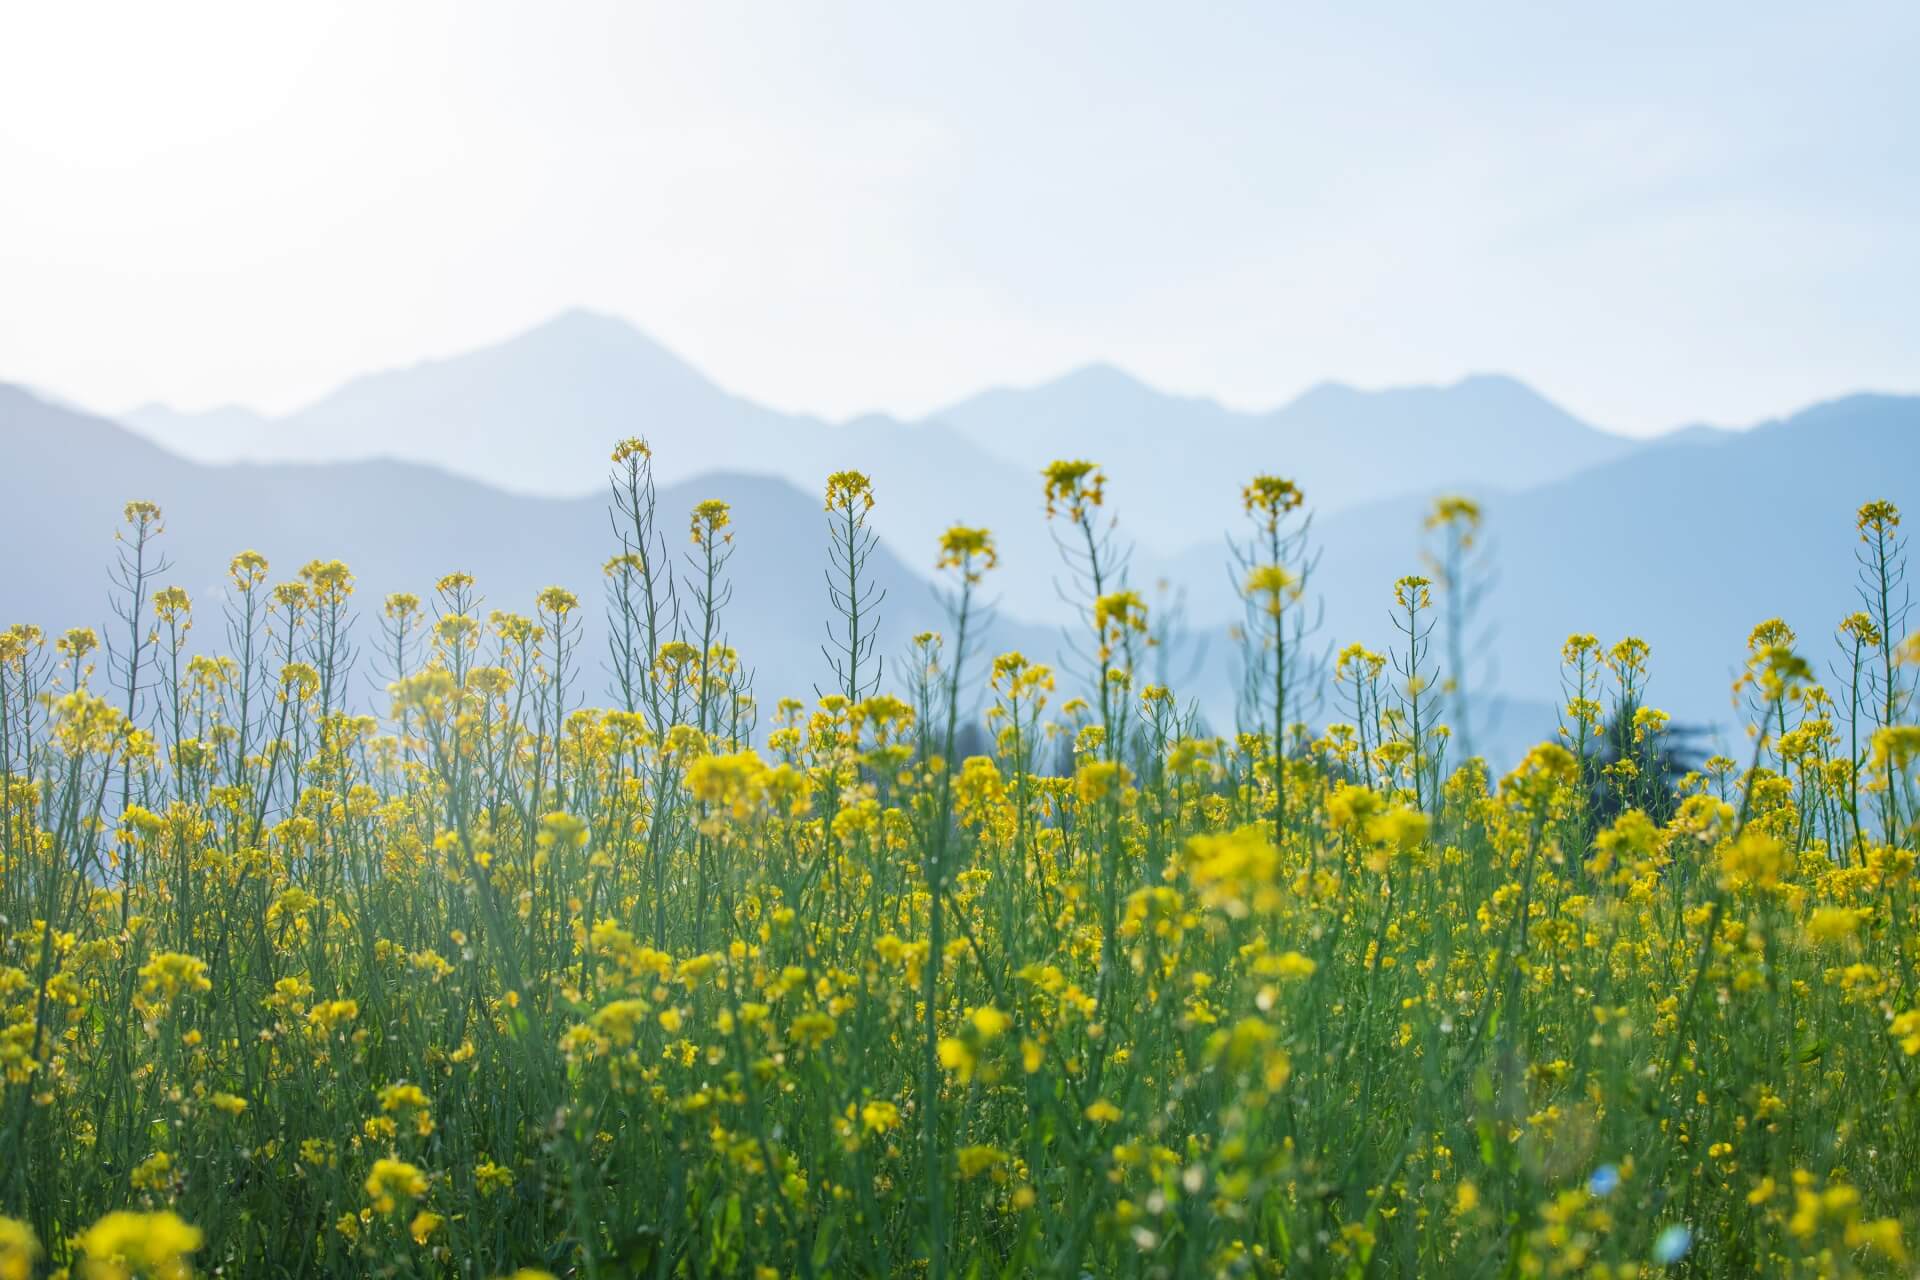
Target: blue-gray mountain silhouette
x,y
1687,540
400,526
537,413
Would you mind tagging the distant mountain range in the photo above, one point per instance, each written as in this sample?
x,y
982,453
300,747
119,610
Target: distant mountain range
x,y
1687,544
401,526
583,380
1179,462
494,462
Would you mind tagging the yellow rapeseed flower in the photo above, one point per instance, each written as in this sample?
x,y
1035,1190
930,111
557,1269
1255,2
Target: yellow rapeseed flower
x,y
1271,498
710,518
393,1182
847,490
1077,484
18,1249
969,550
123,1245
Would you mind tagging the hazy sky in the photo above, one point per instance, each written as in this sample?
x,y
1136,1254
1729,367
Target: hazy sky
x,y
1655,213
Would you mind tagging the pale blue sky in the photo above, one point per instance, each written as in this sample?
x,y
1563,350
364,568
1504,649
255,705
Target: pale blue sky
x,y
1654,213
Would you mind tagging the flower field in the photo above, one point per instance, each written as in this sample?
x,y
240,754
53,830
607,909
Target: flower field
x,y
582,961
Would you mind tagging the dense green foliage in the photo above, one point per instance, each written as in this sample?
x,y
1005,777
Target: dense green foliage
x,y
495,981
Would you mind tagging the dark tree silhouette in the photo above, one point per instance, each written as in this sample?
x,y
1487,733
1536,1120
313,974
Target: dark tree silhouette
x,y
1660,761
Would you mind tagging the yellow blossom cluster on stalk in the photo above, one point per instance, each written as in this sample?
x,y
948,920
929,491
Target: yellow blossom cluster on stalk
x,y
485,982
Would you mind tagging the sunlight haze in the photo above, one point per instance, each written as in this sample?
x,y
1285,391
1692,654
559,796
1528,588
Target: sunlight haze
x,y
1654,216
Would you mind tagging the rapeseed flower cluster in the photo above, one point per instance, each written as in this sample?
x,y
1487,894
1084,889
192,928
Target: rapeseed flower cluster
x,y
484,982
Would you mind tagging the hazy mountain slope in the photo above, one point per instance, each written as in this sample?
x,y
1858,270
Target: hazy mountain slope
x,y
1687,540
1180,461
1488,430
230,433
575,384
401,526
1687,546
537,414
1175,461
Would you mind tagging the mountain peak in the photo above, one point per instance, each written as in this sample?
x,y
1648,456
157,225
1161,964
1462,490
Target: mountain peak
x,y
562,355
1106,390
1502,382
1100,377
579,330
584,322
1477,398
1484,385
1100,382
1504,389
